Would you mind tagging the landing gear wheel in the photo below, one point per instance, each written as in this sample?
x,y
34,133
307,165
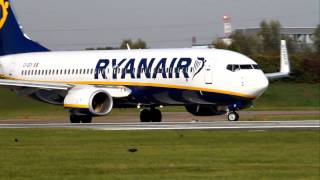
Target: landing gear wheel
x,y
86,119
156,115
233,116
145,115
74,119
152,115
80,119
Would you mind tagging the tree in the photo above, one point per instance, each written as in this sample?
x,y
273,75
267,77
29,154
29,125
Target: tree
x,y
219,44
125,43
245,44
139,44
317,38
291,44
270,33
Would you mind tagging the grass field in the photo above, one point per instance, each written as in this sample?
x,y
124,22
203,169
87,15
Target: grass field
x,y
278,97
88,154
290,97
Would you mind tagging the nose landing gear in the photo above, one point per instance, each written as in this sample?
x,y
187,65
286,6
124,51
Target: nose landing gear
x,y
233,116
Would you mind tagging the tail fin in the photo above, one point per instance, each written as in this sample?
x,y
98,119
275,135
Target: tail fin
x,y
284,64
12,38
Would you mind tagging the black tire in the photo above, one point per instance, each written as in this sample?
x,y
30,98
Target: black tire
x,y
75,119
80,119
86,119
145,115
156,115
233,116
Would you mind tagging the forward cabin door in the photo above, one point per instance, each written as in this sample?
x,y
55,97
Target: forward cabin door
x,y
208,74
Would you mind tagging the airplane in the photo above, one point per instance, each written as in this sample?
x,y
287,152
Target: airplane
x,y
207,82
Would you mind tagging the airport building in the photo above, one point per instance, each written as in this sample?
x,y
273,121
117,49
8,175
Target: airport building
x,y
301,35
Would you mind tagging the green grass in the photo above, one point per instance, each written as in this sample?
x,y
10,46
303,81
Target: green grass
x,y
88,154
278,97
282,96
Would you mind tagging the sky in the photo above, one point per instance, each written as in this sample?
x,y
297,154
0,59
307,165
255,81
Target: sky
x,y
79,24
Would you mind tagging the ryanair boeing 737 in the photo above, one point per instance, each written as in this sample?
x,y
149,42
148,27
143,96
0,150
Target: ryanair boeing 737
x,y
206,82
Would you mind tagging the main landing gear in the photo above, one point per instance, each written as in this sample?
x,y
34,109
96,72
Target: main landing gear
x,y
233,116
80,119
151,115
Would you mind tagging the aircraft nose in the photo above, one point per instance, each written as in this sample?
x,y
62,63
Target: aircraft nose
x,y
261,85
258,84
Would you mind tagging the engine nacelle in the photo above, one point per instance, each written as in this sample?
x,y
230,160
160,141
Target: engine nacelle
x,y
204,110
93,100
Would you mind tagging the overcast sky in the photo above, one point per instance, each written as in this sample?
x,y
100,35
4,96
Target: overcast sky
x,y
77,24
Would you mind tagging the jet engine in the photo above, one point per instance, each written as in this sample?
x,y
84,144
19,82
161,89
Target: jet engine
x,y
89,101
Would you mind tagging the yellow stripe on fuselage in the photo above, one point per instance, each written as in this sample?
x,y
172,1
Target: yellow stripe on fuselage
x,y
158,85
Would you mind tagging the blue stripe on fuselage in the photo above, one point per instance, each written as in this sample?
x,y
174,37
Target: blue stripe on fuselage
x,y
156,95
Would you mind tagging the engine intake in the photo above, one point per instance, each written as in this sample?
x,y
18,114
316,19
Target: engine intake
x,y
101,103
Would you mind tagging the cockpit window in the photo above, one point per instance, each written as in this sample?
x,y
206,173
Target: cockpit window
x,y
230,67
233,67
236,67
246,66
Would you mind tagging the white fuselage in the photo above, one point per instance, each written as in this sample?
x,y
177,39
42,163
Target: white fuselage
x,y
187,69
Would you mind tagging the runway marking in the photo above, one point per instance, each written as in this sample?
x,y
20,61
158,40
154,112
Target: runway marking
x,y
250,125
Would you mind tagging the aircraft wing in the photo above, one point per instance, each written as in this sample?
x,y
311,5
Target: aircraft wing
x,y
284,65
115,91
40,85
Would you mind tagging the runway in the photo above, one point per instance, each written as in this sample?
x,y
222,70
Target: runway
x,y
241,125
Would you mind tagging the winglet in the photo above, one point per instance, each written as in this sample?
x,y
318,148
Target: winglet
x,y
284,64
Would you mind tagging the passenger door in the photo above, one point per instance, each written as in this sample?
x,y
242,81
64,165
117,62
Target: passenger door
x,y
208,74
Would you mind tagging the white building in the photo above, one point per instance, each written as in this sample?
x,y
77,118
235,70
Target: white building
x,y
302,35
